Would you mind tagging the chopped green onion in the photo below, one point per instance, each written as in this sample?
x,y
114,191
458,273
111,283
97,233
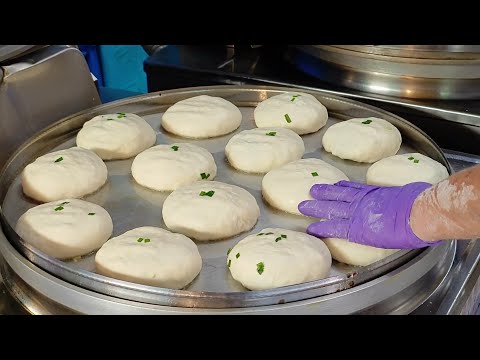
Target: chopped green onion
x,y
271,133
229,262
269,233
228,251
121,115
64,203
59,159
259,234
260,268
146,240
287,118
238,255
294,97
416,161
175,148
282,236
208,193
411,158
91,214
109,119
314,174
139,239
366,122
59,208
204,176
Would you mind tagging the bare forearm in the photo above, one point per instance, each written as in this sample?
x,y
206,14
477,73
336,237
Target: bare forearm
x,y
450,209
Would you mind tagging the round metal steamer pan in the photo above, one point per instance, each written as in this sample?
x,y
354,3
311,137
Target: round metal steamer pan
x,y
403,72
214,288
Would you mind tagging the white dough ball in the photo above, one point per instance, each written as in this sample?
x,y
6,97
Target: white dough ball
x,y
287,186
116,136
210,210
167,167
65,228
296,111
403,169
362,139
355,254
278,257
150,256
202,117
70,173
263,149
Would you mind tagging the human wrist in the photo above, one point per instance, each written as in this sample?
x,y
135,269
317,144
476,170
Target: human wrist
x,y
420,219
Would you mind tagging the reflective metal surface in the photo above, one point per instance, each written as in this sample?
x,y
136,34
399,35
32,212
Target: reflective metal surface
x,y
408,77
444,52
40,88
131,205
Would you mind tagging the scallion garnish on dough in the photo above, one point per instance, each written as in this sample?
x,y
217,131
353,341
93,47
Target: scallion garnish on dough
x,y
271,133
91,214
260,268
366,122
238,255
314,174
287,118
208,193
228,251
175,148
59,208
294,97
204,176
59,159
229,262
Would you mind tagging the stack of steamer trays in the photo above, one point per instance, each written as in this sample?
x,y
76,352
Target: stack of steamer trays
x,y
193,194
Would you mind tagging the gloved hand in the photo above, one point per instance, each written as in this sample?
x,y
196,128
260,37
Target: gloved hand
x,y
365,214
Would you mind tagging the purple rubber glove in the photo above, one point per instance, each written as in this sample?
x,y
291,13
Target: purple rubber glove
x,y
365,214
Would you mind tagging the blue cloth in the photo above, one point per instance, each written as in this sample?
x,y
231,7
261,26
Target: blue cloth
x,y
122,67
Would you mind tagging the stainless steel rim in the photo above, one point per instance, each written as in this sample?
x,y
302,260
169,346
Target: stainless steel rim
x,y
182,298
440,52
389,75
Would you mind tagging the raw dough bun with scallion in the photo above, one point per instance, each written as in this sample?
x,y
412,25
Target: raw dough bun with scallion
x,y
210,210
296,111
287,186
116,136
150,256
65,228
362,139
263,149
201,117
355,254
167,167
403,169
278,257
70,173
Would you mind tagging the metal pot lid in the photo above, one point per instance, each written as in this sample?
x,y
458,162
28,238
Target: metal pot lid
x,y
8,52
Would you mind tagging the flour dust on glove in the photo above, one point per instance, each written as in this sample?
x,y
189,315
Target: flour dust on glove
x,y
365,214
